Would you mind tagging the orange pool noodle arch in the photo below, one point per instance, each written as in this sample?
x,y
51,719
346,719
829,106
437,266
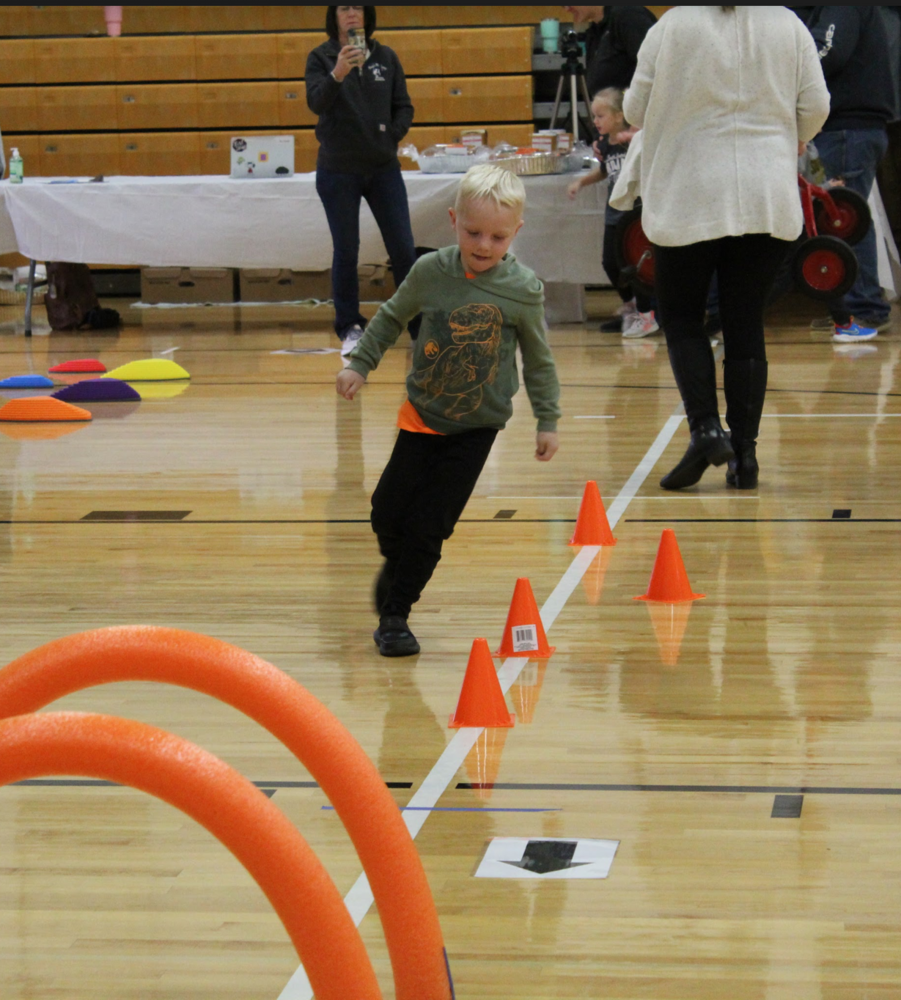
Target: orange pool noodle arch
x,y
316,737
220,799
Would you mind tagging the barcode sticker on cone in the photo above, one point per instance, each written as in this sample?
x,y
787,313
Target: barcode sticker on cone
x,y
525,639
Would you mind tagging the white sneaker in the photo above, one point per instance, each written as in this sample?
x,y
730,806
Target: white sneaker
x,y
640,325
627,310
350,341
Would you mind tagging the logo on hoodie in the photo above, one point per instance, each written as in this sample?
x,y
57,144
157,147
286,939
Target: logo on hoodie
x,y
378,71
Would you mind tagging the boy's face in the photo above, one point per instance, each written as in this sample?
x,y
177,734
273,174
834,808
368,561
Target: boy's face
x,y
484,231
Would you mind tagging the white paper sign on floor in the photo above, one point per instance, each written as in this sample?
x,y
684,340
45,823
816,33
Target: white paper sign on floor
x,y
547,857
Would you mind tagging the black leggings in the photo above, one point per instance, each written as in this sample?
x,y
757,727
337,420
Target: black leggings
x,y
610,261
745,266
417,503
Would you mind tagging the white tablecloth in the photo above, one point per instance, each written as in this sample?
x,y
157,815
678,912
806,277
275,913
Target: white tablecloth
x,y
220,222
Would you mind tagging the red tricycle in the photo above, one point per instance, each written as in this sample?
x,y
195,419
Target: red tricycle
x,y
823,265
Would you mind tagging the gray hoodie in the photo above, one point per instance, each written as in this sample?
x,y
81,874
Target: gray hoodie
x,y
464,361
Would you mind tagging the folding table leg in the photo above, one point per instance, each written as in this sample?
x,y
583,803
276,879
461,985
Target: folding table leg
x,y
29,297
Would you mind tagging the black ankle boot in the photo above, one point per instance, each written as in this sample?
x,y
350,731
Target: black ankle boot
x,y
743,471
745,383
709,446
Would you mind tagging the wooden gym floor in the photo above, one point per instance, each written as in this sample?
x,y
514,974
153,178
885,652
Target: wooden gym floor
x,y
787,680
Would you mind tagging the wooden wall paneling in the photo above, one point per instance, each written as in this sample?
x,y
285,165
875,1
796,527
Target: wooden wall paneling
x,y
141,19
72,109
241,17
18,107
238,105
29,146
420,52
487,50
516,135
156,106
428,100
160,58
487,98
215,155
237,57
75,60
294,18
292,105
79,155
16,20
58,19
17,61
159,154
428,16
293,51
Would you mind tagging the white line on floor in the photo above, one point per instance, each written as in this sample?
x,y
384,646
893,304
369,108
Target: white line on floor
x,y
594,418
828,416
359,900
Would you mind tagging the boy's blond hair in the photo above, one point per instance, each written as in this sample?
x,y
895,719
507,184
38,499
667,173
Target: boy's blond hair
x,y
486,181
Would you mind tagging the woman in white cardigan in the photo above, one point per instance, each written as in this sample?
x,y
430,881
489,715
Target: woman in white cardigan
x,y
724,96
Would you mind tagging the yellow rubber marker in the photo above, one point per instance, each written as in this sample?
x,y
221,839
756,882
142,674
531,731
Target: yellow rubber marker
x,y
150,370
42,408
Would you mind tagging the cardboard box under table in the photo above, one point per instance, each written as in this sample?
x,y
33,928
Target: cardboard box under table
x,y
187,284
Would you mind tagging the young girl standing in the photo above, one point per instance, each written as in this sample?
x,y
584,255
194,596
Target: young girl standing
x,y
636,314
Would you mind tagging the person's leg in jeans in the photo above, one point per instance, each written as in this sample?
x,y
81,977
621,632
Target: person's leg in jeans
x,y
386,194
853,156
341,195
416,505
747,269
683,277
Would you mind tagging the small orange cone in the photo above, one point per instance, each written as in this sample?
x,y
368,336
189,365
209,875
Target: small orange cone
x,y
670,622
669,581
593,580
481,703
592,526
524,633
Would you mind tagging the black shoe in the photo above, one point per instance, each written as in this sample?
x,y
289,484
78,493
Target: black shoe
x,y
380,588
743,472
394,638
614,325
709,446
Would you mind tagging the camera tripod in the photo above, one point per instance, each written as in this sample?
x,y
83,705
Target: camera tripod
x,y
574,72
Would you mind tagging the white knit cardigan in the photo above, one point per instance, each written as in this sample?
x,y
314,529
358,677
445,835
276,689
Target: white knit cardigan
x,y
723,98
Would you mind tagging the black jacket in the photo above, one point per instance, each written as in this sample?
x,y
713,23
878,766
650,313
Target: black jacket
x,y
613,46
363,118
854,55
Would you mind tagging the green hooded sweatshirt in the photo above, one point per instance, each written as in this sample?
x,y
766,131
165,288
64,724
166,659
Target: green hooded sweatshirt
x,y
464,361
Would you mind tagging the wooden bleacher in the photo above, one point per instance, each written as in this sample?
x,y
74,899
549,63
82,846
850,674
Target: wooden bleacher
x,y
166,97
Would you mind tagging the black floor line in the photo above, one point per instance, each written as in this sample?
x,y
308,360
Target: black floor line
x,y
721,789
763,520
183,523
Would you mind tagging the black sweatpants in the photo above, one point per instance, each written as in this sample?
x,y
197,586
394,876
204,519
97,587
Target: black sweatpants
x,y
417,503
746,267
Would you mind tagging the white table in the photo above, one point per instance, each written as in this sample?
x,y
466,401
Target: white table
x,y
221,222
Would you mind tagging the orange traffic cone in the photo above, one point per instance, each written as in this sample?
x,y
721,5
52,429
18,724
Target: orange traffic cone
x,y
593,580
524,633
669,622
669,581
592,526
481,703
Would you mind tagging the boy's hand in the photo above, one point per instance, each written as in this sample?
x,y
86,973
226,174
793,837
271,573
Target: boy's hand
x,y
547,444
574,189
348,383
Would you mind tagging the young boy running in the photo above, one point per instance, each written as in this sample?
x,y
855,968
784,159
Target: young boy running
x,y
478,305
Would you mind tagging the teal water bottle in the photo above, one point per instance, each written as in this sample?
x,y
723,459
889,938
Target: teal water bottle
x,y
16,168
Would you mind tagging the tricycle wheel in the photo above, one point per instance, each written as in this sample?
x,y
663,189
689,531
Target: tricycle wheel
x,y
824,268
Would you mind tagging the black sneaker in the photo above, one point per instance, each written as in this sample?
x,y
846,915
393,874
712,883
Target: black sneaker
x,y
394,638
